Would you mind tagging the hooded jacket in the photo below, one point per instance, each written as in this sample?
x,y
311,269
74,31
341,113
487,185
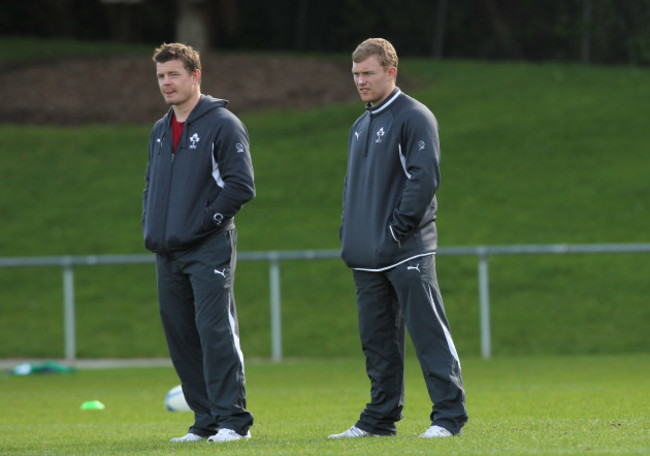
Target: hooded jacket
x,y
389,203
210,172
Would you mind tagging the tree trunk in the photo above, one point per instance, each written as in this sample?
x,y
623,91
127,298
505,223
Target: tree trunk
x,y
191,26
439,32
585,48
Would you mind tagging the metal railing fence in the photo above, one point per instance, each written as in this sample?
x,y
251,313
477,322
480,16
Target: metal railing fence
x,y
274,257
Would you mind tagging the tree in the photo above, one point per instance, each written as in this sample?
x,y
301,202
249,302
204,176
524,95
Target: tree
x,y
585,48
191,27
439,29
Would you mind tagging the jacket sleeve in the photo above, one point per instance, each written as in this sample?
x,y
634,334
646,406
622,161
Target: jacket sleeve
x,y
420,158
145,192
345,188
233,158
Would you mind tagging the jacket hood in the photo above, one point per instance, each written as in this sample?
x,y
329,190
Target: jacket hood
x,y
206,104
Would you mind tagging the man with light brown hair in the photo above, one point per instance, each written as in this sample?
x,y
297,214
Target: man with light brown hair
x,y
198,177
389,239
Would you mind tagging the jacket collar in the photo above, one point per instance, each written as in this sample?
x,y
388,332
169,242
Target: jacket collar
x,y
375,110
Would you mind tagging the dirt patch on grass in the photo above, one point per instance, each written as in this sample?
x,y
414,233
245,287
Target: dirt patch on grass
x,y
124,89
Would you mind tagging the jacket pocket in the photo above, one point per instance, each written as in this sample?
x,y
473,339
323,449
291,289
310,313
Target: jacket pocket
x,y
387,248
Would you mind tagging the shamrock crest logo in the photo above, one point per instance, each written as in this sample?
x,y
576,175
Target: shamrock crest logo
x,y
194,139
380,135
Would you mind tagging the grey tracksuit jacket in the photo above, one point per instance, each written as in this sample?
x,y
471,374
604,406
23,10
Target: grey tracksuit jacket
x,y
210,172
389,203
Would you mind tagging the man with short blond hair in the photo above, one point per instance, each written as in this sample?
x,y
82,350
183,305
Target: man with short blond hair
x,y
389,238
378,47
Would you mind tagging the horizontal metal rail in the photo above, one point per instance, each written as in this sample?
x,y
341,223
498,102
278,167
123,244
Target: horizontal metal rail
x,y
274,257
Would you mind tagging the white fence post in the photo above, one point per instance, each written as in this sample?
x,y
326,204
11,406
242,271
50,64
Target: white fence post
x,y
484,304
69,311
276,307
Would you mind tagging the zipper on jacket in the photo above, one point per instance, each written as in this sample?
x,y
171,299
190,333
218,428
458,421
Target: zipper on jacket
x,y
366,146
181,140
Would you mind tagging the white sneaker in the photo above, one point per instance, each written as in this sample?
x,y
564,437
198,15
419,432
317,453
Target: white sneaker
x,y
351,433
189,437
228,435
435,432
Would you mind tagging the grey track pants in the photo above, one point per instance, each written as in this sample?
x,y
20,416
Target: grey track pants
x,y
197,309
387,302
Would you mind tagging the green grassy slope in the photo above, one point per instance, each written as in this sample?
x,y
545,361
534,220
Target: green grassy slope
x,y
563,150
531,154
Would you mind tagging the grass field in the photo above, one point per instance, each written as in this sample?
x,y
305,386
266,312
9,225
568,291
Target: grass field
x,y
536,405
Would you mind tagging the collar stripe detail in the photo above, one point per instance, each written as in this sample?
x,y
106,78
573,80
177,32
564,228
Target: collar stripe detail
x,y
387,103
